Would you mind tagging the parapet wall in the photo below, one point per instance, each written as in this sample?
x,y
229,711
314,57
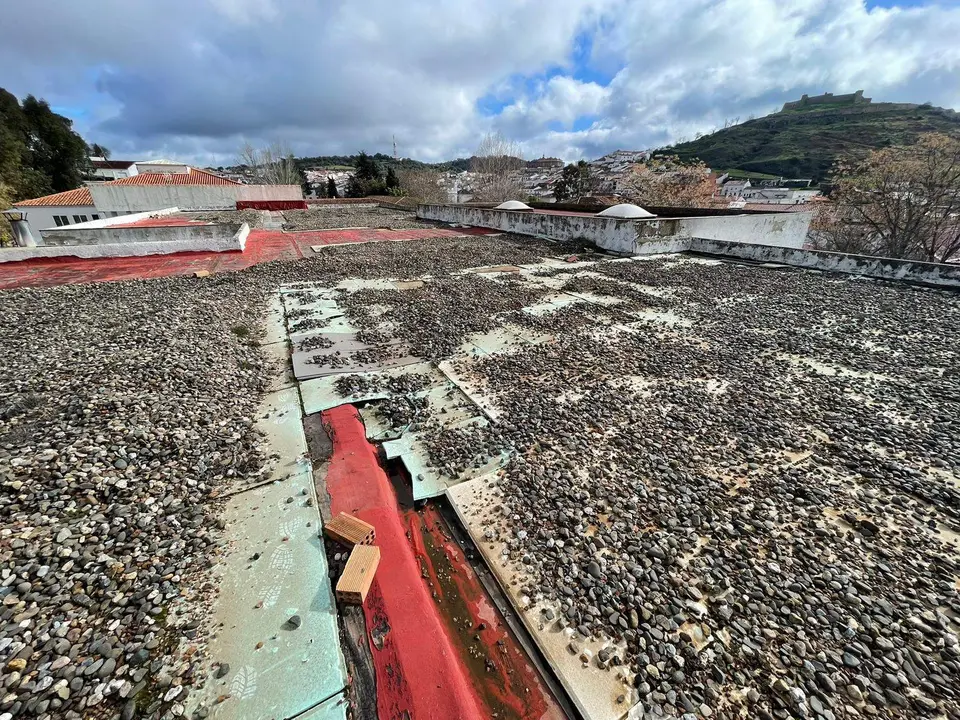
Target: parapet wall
x,y
611,234
940,275
133,241
627,236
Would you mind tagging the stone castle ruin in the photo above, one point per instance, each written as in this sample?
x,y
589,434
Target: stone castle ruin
x,y
805,101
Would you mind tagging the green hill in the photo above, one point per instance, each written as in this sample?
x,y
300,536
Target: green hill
x,y
805,142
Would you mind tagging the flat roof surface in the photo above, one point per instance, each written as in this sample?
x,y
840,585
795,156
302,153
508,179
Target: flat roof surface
x,y
716,488
720,478
262,246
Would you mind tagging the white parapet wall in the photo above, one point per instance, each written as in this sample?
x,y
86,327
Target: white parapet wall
x,y
138,241
940,275
628,236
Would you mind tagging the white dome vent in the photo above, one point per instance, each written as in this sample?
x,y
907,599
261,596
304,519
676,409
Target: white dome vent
x,y
626,211
513,205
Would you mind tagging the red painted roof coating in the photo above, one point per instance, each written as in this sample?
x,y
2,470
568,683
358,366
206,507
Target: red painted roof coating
x,y
194,177
262,246
419,674
80,196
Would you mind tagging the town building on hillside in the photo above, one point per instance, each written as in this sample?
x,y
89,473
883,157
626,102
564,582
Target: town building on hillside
x,y
545,163
735,188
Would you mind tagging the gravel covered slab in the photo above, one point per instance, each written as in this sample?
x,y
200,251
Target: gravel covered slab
x,y
745,481
759,508
319,217
253,218
126,409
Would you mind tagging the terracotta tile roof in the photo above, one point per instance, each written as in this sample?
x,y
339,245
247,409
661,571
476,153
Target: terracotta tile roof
x,y
80,196
194,177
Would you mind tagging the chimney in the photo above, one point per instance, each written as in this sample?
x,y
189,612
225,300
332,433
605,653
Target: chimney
x,y
21,231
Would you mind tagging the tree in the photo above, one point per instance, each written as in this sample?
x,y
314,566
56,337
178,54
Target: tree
x,y
332,188
57,151
422,186
391,180
6,199
497,164
304,183
270,165
905,199
103,151
833,228
367,179
665,180
39,151
574,183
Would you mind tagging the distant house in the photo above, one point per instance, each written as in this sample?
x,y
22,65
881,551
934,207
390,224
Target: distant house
x,y
545,163
155,185
104,169
735,188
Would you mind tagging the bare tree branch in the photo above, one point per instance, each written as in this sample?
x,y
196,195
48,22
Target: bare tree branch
x,y
498,164
271,165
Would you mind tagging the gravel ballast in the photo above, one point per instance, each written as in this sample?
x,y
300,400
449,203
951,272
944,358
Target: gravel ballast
x,y
742,484
752,498
126,408
320,217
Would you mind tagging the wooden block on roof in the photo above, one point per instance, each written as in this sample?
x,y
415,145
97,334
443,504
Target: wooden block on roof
x,y
201,273
354,584
350,531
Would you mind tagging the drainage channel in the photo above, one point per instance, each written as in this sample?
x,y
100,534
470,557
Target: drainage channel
x,y
502,665
459,535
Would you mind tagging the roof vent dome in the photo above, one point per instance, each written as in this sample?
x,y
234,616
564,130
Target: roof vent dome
x,y
513,205
626,211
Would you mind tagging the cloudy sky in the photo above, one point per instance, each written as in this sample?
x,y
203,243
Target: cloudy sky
x,y
193,79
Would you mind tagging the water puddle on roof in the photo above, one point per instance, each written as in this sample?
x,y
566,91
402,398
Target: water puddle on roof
x,y
663,317
829,370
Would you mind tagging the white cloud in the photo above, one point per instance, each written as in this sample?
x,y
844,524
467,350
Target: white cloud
x,y
246,12
188,78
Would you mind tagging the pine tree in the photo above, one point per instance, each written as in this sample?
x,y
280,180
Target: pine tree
x,y
331,188
392,180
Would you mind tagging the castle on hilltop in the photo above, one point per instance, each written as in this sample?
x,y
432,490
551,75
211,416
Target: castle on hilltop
x,y
805,101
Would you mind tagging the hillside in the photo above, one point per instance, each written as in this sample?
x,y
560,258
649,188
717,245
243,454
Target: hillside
x,y
803,143
350,161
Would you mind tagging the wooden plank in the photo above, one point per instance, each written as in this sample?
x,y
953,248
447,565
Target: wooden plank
x,y
350,531
354,584
201,273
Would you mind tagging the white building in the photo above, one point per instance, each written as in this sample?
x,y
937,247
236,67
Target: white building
x,y
156,185
104,169
66,208
735,188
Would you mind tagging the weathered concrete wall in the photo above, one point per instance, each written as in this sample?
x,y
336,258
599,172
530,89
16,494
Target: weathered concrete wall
x,y
154,246
933,274
141,198
619,236
75,235
627,236
780,229
109,221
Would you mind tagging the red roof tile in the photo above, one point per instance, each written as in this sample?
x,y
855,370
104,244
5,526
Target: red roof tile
x,y
194,177
80,196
